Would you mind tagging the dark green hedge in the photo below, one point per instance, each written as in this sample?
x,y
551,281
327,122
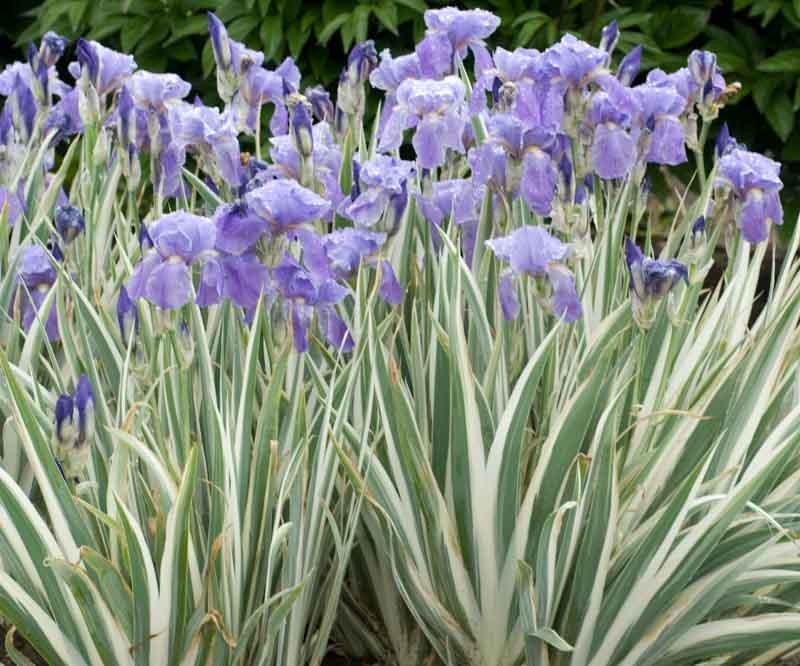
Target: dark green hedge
x,y
753,39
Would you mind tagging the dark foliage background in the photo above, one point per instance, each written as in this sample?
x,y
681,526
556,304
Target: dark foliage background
x,y
757,42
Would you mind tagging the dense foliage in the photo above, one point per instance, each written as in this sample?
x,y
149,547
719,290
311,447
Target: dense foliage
x,y
433,386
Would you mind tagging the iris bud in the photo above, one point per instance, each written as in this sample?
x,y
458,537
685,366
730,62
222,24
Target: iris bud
x,y
69,222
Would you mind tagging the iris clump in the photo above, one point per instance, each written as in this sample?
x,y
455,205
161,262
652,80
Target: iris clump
x,y
450,384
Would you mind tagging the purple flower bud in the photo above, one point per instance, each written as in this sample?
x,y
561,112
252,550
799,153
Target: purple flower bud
x,y
390,289
300,124
725,142
127,315
65,416
23,107
355,190
89,59
69,222
84,404
702,65
145,242
508,296
361,61
321,104
126,118
220,43
629,66
651,279
52,48
55,249
699,225
609,37
565,301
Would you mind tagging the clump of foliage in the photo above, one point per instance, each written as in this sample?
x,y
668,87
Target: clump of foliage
x,y
280,376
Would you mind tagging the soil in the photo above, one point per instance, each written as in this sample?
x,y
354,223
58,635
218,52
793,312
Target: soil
x,y
21,645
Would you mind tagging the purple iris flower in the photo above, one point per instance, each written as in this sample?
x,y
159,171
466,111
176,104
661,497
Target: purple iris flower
x,y
35,277
260,86
529,152
391,72
382,181
489,165
153,92
435,110
241,278
565,301
179,239
520,67
305,294
337,255
65,116
450,33
614,149
232,270
105,69
32,84
576,61
650,280
529,249
458,199
285,204
153,96
238,228
533,251
755,182
388,76
661,107
212,136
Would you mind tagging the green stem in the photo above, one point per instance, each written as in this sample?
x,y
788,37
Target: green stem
x,y
700,157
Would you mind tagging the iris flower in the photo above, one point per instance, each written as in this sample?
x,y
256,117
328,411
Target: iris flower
x,y
532,251
163,277
754,182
